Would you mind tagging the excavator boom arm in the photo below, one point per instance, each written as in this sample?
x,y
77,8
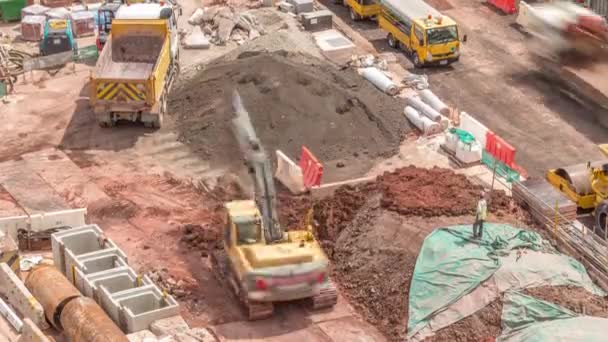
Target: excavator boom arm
x,y
260,167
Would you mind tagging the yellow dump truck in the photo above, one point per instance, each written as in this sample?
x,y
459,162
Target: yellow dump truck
x,y
137,66
362,9
428,36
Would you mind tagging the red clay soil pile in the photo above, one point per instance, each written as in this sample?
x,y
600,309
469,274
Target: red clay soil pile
x,y
483,326
373,233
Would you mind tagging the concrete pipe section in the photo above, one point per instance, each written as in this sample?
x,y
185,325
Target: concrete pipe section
x,y
84,320
53,291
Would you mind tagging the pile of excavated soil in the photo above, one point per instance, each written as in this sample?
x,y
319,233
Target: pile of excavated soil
x,y
293,100
483,326
373,233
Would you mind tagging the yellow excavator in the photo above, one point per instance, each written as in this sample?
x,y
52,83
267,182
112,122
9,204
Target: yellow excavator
x,y
262,263
587,186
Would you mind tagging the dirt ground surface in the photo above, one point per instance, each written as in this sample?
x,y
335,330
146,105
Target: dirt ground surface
x,y
497,83
373,233
294,100
138,185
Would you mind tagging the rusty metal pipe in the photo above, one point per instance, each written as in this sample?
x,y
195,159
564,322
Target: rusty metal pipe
x,y
52,289
85,321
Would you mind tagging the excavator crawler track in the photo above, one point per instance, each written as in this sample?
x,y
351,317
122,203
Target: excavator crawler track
x,y
224,274
327,298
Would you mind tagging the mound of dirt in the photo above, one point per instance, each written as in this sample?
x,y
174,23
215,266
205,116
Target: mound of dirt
x,y
373,233
293,100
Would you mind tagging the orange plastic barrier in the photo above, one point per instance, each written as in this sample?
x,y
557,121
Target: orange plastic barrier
x,y
312,169
506,6
500,149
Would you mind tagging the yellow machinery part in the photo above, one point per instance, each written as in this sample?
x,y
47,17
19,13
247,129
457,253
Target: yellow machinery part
x,y
582,201
603,148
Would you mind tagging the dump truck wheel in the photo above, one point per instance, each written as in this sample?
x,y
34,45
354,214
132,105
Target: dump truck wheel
x,y
353,15
392,42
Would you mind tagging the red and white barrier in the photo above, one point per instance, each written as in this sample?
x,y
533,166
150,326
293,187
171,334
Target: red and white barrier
x,y
312,169
289,174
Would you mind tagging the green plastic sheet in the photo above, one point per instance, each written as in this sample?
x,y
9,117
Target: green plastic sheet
x,y
452,264
528,319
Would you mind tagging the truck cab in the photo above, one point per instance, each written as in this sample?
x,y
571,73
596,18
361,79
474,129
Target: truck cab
x,y
429,41
362,9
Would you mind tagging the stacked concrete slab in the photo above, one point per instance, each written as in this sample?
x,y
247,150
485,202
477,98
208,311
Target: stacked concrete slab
x,y
100,270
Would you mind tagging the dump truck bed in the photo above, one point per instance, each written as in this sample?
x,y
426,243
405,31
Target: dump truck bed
x,y
131,57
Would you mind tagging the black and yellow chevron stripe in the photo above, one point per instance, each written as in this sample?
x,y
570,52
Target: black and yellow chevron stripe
x,y
12,259
119,91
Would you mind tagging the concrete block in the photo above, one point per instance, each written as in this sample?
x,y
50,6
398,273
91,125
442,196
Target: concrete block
x,y
11,225
30,332
114,280
143,305
20,297
142,336
476,128
287,7
169,326
289,174
317,21
302,6
61,218
113,307
92,263
85,240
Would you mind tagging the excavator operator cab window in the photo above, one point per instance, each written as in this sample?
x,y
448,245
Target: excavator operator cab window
x,y
248,233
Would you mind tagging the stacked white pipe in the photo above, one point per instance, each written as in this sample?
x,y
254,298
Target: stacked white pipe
x,y
422,122
380,80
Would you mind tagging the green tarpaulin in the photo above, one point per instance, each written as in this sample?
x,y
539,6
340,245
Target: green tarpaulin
x,y
525,318
452,264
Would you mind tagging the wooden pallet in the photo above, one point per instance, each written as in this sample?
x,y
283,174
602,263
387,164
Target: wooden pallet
x,y
459,163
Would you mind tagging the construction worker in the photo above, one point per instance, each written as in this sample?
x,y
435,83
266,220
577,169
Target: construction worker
x,y
480,217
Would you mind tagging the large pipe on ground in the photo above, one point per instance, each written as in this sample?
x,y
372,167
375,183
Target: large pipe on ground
x,y
380,80
421,122
52,289
432,100
428,111
85,321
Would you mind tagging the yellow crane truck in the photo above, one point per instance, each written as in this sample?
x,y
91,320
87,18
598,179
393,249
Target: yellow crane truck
x,y
362,9
261,262
428,36
137,66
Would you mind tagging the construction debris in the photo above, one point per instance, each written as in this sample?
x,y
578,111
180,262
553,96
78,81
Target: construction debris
x,y
219,24
196,39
